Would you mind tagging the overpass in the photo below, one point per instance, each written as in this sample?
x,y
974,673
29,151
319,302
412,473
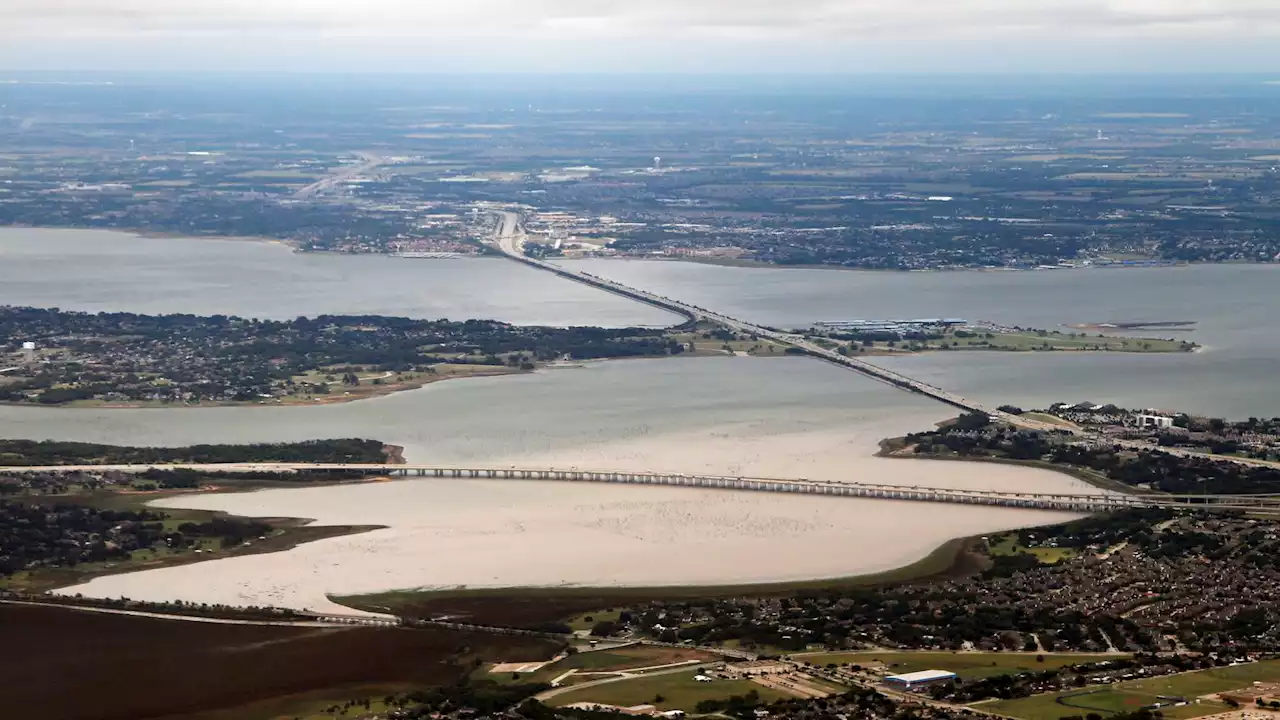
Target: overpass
x,y
1066,502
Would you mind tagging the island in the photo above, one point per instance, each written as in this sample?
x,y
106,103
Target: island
x,y
888,337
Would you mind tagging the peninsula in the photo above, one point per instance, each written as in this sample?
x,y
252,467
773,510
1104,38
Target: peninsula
x,y
59,358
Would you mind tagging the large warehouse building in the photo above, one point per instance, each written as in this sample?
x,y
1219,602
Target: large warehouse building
x,y
924,677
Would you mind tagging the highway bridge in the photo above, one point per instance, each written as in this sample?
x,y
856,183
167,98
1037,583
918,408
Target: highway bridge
x,y
509,240
1069,502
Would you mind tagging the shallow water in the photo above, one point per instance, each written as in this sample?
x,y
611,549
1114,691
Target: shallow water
x,y
492,533
785,417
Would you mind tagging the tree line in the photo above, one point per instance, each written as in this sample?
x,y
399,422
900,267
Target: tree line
x,y
16,453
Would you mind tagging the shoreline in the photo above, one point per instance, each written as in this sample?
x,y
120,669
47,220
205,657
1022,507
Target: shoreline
x,y
157,234
292,533
317,401
720,262
952,559
759,264
388,390
890,451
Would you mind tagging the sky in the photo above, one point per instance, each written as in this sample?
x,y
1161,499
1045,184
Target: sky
x,y
636,36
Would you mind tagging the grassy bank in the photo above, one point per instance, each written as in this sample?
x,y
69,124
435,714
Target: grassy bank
x,y
536,606
372,385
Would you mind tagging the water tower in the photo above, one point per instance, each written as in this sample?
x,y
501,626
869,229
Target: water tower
x,y
28,352
657,164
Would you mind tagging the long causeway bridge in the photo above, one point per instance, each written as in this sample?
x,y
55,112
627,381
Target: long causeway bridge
x,y
509,238
1077,502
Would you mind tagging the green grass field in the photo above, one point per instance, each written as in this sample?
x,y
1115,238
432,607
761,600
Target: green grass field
x,y
1129,696
967,665
678,690
978,339
1008,545
1057,340
587,621
1105,702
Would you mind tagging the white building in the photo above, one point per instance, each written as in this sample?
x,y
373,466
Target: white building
x,y
923,677
1154,421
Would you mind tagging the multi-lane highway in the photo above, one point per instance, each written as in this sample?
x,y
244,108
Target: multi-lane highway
x,y
368,162
509,239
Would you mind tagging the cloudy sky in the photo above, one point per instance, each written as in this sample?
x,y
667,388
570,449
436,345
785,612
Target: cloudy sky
x,y
643,35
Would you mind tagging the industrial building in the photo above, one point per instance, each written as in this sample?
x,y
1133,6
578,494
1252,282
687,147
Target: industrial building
x,y
923,677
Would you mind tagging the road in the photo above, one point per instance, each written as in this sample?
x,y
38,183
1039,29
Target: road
x,y
622,675
509,239
510,236
368,162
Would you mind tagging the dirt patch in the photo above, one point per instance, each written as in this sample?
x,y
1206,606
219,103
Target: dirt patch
x,y
792,684
132,668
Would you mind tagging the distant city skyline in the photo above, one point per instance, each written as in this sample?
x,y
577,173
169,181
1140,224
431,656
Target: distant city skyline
x,y
687,36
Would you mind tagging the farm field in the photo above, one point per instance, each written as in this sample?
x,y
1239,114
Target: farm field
x,y
1129,696
187,670
968,665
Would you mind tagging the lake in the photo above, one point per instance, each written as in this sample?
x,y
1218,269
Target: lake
x,y
1235,308
492,533
782,417
96,270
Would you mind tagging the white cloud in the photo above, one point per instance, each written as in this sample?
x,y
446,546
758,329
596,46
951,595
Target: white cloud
x,y
619,18
787,30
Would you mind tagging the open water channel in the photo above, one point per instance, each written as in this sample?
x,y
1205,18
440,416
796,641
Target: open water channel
x,y
782,417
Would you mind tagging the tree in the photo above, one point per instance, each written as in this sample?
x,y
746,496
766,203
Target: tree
x,y
604,628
